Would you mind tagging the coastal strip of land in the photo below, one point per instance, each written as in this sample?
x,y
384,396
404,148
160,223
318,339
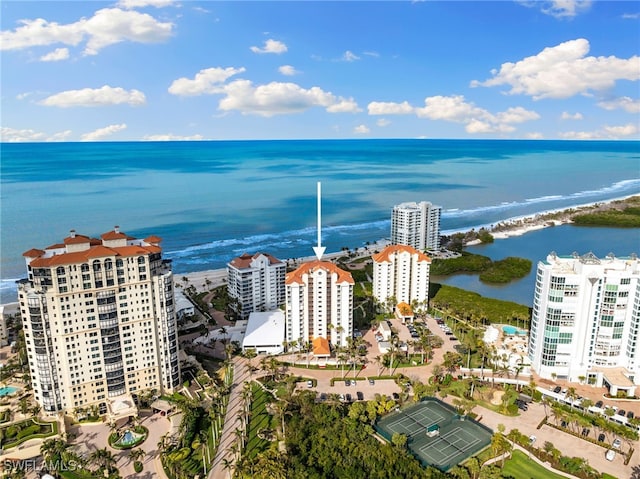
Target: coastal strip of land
x,y
508,228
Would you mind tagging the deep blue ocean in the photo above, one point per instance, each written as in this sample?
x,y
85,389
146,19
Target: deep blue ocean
x,y
212,201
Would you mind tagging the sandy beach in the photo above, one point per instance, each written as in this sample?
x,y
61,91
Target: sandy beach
x,y
503,230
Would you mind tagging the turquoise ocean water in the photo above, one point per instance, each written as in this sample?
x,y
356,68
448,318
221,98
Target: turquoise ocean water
x,y
212,201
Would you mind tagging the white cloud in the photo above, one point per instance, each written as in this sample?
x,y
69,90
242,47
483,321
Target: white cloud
x,y
56,55
516,115
580,135
344,105
349,56
608,132
479,126
450,108
559,8
172,137
382,122
456,109
568,116
389,108
621,131
279,98
624,103
372,54
563,71
288,70
206,82
271,46
106,27
534,135
631,16
566,8
103,96
128,4
361,129
102,133
12,135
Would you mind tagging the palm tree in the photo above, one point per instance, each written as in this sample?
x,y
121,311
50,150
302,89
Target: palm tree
x,y
52,449
136,454
104,458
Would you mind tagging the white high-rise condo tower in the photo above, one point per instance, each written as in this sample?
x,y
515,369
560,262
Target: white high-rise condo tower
x,y
416,225
319,305
585,325
99,322
256,283
401,273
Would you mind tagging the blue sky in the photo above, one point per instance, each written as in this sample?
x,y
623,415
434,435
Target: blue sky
x,y
167,70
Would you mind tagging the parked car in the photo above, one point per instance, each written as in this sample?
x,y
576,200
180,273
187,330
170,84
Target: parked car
x,y
396,396
630,415
585,431
557,389
309,383
616,443
601,437
610,455
348,397
621,412
372,382
323,396
599,404
360,396
353,382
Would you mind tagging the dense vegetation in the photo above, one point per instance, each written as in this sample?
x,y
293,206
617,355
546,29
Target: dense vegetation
x,y
475,308
467,263
501,271
506,270
628,217
323,442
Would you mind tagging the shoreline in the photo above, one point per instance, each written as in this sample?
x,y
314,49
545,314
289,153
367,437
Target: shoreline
x,y
511,227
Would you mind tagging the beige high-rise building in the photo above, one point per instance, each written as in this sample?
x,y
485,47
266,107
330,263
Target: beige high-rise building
x,y
99,321
401,274
319,305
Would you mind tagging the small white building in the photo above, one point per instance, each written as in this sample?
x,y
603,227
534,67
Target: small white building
x,y
265,332
384,330
184,306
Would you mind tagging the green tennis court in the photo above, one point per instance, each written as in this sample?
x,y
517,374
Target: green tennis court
x,y
436,434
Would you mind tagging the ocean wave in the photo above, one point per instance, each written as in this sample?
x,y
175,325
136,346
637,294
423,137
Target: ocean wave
x,y
303,236
619,187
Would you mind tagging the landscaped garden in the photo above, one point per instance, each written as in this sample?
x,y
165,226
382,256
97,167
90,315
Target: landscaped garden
x,y
17,433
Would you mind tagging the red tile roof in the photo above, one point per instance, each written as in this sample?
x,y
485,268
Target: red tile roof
x,y
77,239
114,235
244,261
386,253
321,346
153,239
96,250
308,268
33,253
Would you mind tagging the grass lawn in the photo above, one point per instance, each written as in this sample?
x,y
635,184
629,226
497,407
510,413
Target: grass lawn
x,y
260,419
521,467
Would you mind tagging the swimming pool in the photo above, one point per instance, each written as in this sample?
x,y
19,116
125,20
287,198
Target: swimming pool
x,y
513,331
6,390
